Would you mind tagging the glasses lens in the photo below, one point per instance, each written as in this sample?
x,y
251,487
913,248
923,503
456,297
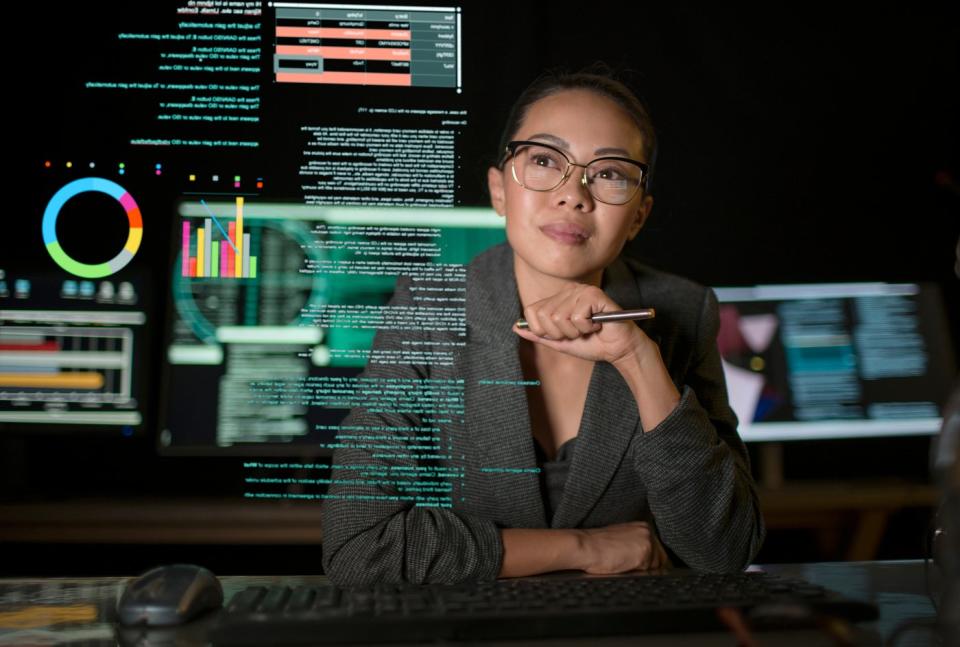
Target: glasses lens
x,y
613,181
538,167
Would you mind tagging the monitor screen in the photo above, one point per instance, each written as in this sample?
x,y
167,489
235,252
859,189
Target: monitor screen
x,y
71,351
815,361
189,136
212,201
266,342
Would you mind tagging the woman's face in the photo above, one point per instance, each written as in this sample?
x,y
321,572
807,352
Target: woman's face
x,y
566,233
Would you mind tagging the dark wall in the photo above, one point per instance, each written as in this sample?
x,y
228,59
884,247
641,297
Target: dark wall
x,y
794,144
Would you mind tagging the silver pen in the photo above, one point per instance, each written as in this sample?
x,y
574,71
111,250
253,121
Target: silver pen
x,y
601,317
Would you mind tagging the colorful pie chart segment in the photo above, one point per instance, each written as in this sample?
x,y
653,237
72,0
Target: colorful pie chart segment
x,y
92,270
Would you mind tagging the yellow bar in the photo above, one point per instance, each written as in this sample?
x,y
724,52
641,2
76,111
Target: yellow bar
x,y
200,247
46,615
238,261
52,380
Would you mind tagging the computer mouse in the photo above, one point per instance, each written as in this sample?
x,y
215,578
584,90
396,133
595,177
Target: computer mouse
x,y
169,595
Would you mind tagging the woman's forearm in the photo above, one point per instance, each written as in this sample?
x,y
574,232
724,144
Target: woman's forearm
x,y
530,551
650,383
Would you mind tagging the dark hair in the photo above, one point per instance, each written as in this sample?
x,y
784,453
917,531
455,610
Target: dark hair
x,y
598,79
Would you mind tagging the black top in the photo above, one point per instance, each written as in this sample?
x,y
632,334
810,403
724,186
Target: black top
x,y
553,474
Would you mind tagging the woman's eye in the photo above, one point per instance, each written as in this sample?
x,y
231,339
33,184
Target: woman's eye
x,y
542,159
610,173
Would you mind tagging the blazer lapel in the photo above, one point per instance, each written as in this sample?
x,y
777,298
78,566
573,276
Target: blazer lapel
x,y
499,422
610,417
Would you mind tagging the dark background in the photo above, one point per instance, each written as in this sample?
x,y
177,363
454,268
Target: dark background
x,y
799,144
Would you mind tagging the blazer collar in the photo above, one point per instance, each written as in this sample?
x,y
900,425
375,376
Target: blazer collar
x,y
610,419
497,419
499,424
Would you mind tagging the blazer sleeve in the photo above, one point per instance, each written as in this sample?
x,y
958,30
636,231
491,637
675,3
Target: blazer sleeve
x,y
371,532
696,468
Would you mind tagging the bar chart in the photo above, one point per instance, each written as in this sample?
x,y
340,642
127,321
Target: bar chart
x,y
68,366
217,248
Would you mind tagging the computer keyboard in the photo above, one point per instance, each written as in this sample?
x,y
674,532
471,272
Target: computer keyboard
x,y
542,607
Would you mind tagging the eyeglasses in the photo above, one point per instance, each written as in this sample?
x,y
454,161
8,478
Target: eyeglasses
x,y
541,167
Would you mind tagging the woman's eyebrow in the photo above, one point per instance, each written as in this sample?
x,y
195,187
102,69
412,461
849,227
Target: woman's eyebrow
x,y
613,151
562,143
553,139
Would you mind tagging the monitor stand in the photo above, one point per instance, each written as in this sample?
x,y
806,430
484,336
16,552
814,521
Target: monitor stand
x,y
771,465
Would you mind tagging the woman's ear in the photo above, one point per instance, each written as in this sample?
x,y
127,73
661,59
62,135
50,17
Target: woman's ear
x,y
643,212
498,198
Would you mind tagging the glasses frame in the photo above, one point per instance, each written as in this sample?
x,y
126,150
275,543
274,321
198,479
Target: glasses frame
x,y
511,152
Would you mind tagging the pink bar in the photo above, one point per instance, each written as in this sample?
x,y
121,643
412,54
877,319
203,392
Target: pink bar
x,y
339,32
347,53
185,256
223,258
231,255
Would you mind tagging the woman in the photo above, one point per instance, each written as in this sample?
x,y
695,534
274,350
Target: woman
x,y
628,424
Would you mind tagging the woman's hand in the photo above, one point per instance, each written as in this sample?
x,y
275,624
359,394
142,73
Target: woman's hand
x,y
562,322
621,547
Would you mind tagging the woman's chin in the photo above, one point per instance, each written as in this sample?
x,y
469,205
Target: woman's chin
x,y
565,270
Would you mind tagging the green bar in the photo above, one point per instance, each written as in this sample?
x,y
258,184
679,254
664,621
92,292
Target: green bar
x,y
214,261
253,267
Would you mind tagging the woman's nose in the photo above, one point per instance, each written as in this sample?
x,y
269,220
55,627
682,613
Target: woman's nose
x,y
573,190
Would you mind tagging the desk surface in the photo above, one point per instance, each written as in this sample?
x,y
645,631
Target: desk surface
x,y
242,521
50,611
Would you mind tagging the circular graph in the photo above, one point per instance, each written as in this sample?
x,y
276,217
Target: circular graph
x,y
98,185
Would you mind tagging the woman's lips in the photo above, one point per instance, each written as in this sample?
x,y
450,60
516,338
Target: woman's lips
x,y
566,232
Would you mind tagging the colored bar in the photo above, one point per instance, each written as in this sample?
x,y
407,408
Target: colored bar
x,y
346,53
346,78
56,381
193,267
239,241
208,246
185,253
246,256
341,33
224,246
253,267
32,348
231,255
201,245
214,265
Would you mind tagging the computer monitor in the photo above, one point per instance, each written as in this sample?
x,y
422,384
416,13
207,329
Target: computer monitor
x,y
342,129
70,352
265,341
841,360
160,118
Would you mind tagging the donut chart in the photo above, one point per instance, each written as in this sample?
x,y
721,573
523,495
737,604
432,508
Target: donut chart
x,y
92,270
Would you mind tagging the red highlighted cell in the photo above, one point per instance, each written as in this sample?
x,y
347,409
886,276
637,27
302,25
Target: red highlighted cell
x,y
47,346
347,78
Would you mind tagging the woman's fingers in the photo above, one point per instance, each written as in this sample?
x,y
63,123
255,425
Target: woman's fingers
x,y
583,323
566,315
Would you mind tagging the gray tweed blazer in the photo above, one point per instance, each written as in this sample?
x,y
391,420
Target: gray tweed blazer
x,y
689,476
